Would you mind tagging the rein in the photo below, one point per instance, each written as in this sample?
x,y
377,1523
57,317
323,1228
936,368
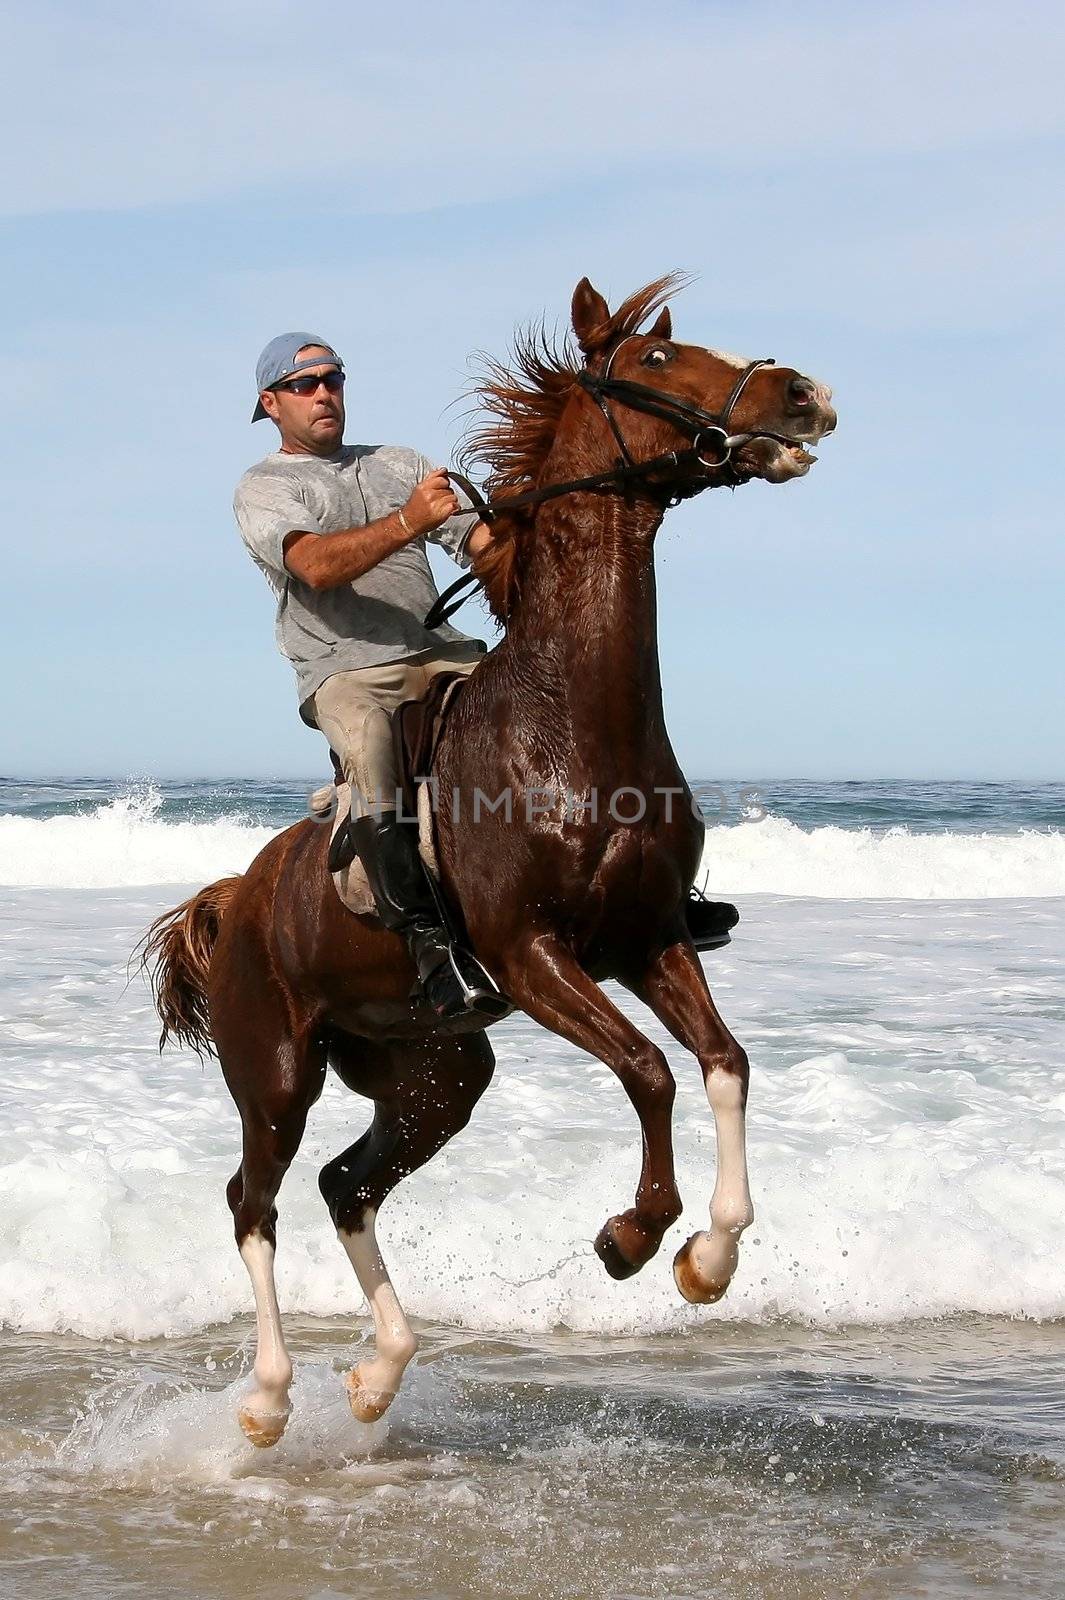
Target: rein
x,y
708,431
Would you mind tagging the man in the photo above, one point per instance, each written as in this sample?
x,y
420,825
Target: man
x,y
339,531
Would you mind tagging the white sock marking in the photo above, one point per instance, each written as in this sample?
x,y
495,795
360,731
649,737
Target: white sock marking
x,y
380,1378
273,1367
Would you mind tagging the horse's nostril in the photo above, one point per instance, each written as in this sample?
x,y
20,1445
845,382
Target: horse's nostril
x,y
801,392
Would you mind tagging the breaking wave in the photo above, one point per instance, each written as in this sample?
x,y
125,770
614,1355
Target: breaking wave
x,y
126,842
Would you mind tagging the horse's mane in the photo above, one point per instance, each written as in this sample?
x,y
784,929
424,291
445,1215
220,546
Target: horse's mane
x,y
524,399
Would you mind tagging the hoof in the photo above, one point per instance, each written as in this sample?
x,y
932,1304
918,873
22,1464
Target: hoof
x,y
624,1247
611,1257
367,1405
262,1429
699,1286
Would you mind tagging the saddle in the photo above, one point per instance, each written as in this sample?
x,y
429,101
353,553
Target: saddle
x,y
416,729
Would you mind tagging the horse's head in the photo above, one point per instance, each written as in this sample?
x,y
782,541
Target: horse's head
x,y
699,418
745,419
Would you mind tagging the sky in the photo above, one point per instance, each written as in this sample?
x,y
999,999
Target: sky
x,y
872,195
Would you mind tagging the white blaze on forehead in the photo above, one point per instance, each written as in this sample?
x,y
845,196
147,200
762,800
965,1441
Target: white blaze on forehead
x,y
729,359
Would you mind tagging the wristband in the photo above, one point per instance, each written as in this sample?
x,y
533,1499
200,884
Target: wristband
x,y
404,524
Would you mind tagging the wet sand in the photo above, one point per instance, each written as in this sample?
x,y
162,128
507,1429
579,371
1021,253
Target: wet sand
x,y
732,1461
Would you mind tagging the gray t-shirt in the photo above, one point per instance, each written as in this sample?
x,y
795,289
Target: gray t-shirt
x,y
376,618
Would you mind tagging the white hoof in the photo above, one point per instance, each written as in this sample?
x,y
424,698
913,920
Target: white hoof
x,y
263,1428
368,1404
703,1268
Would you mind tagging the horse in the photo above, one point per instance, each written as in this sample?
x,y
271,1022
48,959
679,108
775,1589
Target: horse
x,y
585,448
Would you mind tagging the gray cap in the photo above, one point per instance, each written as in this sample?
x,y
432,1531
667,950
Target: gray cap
x,y
278,362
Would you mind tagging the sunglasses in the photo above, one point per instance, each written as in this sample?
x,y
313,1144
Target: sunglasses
x,y
334,382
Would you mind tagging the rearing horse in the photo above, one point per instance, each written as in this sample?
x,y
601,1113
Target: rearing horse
x,y
270,969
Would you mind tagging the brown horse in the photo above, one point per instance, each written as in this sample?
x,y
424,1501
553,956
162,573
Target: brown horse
x,y
576,870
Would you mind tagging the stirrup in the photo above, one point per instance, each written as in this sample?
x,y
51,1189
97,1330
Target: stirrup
x,y
480,992
454,993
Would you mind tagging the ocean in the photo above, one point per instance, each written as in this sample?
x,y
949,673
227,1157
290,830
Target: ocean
x,y
876,1408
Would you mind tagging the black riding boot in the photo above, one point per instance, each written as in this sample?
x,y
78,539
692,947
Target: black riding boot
x,y
388,850
709,921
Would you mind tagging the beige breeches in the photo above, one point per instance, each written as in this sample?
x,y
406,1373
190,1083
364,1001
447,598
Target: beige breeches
x,y
354,710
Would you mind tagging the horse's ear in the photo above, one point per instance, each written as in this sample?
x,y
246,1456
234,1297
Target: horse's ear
x,y
591,317
663,325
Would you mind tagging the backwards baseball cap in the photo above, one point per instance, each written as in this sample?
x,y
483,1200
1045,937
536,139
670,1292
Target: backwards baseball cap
x,y
278,362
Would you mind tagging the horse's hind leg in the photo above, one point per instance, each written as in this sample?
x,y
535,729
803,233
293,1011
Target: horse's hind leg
x,y
424,1095
275,1076
675,988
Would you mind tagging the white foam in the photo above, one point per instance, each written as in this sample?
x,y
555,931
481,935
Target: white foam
x,y
775,856
150,1427
125,843
906,1129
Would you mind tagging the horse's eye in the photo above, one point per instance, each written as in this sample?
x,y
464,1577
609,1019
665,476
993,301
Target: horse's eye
x,y
656,357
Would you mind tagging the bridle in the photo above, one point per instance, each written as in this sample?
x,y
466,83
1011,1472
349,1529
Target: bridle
x,y
710,451
707,429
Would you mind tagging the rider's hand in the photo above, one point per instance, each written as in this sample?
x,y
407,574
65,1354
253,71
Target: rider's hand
x,y
433,501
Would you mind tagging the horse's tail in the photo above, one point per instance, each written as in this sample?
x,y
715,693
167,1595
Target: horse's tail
x,y
177,957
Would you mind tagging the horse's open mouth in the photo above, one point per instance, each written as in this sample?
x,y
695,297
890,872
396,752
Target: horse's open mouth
x,y
773,460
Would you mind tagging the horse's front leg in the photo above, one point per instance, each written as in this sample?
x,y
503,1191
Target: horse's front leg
x,y
675,988
545,980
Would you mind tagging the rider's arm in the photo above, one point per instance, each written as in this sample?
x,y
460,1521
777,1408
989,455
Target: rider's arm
x,y
324,561
461,534
479,540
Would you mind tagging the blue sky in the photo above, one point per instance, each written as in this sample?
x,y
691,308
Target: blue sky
x,y
872,195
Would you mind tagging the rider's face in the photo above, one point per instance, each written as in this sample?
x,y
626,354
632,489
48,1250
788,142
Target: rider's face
x,y
314,422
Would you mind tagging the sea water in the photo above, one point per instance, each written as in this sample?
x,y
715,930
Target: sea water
x,y
875,1408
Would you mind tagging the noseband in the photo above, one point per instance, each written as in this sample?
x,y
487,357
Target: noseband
x,y
710,451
